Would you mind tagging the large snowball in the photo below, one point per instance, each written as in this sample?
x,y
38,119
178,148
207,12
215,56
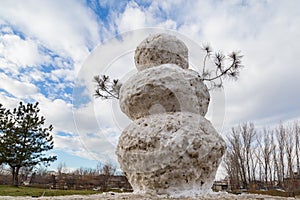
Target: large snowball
x,y
176,154
166,88
161,49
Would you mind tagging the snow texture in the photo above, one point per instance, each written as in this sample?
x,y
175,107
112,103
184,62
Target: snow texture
x,y
175,154
166,88
170,148
161,49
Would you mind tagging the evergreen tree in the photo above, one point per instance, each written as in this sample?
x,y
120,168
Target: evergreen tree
x,y
24,139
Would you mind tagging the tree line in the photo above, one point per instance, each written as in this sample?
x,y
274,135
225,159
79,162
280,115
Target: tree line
x,y
106,170
102,177
269,157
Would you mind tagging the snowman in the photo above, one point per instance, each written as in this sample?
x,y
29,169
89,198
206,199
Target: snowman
x,y
169,148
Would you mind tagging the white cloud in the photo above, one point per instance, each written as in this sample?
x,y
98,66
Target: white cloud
x,y
57,112
16,53
68,28
8,102
17,88
268,84
96,130
63,74
77,140
136,17
132,18
6,29
32,75
267,33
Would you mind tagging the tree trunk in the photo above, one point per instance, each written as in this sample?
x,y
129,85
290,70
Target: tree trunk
x,y
15,175
248,134
276,167
253,165
260,171
289,152
281,138
297,146
266,172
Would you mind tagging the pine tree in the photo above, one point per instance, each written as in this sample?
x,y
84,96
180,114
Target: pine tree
x,y
24,139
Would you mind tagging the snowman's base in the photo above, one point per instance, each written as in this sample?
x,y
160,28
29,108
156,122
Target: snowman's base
x,y
170,153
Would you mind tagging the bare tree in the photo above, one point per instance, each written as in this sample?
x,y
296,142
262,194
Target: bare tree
x,y
248,133
297,145
232,166
24,173
41,170
254,162
4,170
271,155
274,158
281,138
61,168
107,170
237,146
239,154
259,156
86,171
266,154
289,146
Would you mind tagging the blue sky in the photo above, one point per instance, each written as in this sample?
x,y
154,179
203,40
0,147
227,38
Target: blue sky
x,y
45,48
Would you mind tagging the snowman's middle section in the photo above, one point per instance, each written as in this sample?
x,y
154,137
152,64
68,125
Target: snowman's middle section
x,y
163,89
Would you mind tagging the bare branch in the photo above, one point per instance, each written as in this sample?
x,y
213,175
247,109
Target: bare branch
x,y
207,48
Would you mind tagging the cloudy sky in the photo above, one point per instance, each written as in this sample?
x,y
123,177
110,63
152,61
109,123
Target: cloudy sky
x,y
50,50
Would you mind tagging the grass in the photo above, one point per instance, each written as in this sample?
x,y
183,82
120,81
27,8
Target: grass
x,y
272,193
6,190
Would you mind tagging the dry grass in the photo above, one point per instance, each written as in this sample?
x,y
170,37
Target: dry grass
x,y
37,192
273,193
